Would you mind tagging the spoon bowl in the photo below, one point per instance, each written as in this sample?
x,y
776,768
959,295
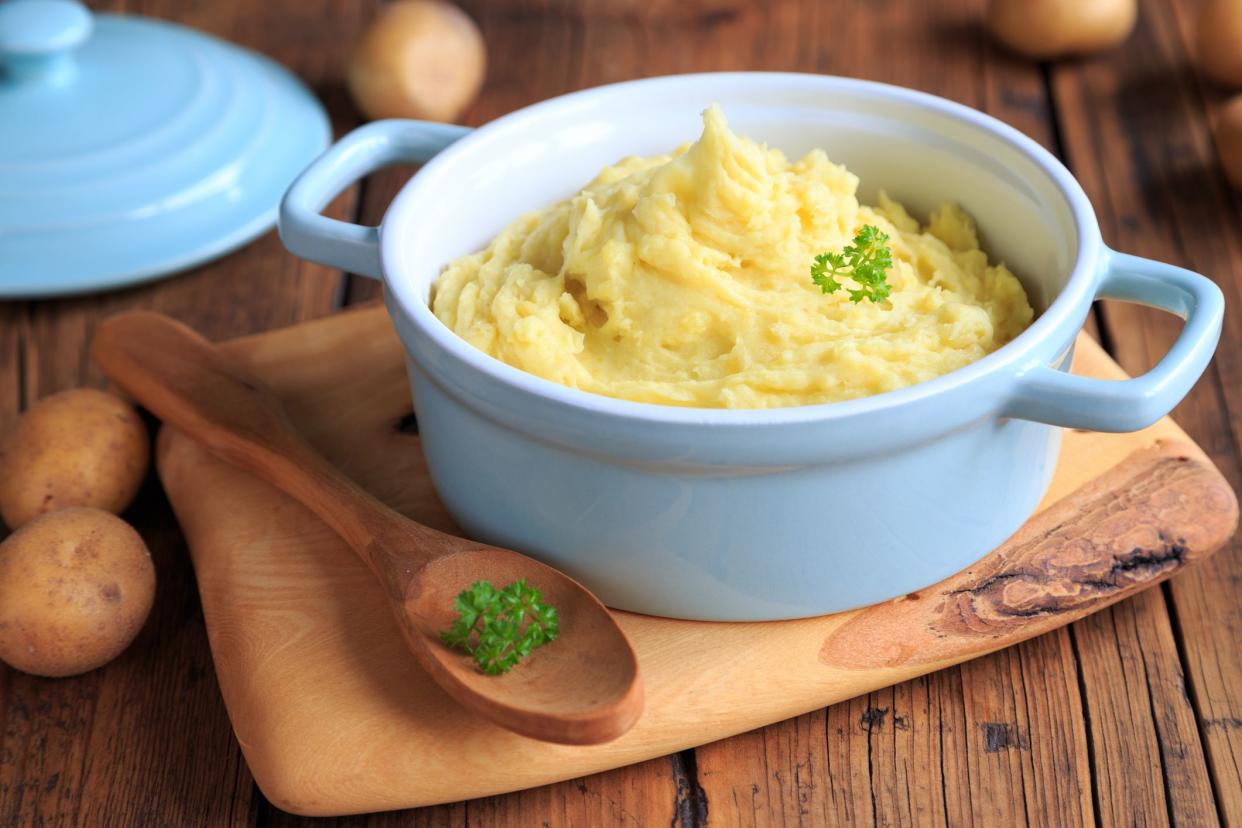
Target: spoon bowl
x,y
559,682
582,688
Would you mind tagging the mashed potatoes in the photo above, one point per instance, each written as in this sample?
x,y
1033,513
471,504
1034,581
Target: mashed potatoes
x,y
684,279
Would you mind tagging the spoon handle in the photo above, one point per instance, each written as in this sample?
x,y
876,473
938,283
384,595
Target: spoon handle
x,y
189,383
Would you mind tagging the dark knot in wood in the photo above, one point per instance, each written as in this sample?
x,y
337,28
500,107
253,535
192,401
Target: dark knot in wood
x,y
1054,586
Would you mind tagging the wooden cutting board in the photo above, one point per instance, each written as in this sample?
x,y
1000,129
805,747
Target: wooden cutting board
x,y
334,717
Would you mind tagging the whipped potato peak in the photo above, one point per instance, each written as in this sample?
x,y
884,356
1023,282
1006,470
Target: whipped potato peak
x,y
683,279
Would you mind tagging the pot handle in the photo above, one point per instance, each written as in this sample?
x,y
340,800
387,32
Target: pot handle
x,y
1046,395
353,248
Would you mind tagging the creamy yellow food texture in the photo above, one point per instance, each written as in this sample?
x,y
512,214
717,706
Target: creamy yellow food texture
x,y
684,279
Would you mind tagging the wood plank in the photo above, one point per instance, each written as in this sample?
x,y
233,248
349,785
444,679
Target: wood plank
x,y
1013,710
1210,642
1137,136
899,769
906,766
112,745
1148,755
643,794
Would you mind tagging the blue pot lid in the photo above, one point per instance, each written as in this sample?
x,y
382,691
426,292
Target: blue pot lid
x,y
131,148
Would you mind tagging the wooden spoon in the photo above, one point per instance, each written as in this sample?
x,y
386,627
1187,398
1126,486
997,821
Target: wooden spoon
x,y
583,688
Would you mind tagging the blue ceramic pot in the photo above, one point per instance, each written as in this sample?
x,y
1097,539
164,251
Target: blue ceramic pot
x,y
762,514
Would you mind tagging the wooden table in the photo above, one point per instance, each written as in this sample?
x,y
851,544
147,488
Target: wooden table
x,y
1131,716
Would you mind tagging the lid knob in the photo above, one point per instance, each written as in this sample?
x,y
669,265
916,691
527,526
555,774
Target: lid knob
x,y
37,38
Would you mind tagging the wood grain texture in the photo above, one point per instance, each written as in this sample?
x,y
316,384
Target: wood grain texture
x,y
334,719
1137,135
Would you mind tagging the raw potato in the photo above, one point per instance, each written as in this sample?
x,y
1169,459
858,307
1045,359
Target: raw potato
x,y
1229,141
1218,40
77,448
419,59
1054,28
76,586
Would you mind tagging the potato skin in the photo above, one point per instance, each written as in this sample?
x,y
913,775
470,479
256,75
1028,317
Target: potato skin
x,y
1218,40
82,447
76,586
1044,29
1229,141
418,59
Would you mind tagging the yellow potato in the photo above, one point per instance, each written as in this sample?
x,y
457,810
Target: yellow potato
x,y
76,586
1218,40
77,448
419,59
1229,141
1055,28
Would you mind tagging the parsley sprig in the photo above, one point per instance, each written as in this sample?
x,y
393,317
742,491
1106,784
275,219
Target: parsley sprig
x,y
866,262
500,627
